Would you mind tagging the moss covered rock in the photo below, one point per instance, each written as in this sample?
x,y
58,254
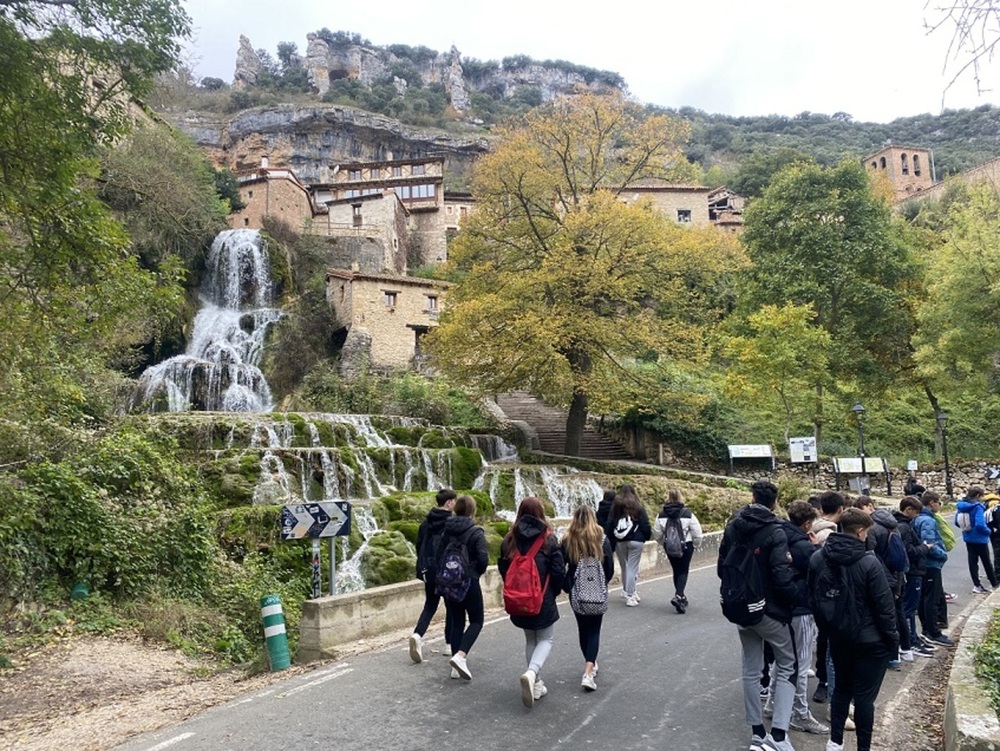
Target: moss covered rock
x,y
387,559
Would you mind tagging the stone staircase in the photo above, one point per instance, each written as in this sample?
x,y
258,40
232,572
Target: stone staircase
x,y
550,424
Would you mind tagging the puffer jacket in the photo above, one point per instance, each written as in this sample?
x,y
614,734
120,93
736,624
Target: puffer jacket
x,y
926,528
550,563
873,598
475,544
431,527
980,532
757,523
801,551
916,551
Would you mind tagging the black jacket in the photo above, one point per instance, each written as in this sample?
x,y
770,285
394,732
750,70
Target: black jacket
x,y
432,526
475,544
641,529
757,522
873,597
801,551
603,511
916,551
550,563
878,542
607,563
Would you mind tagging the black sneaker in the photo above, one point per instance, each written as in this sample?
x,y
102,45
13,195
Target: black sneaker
x,y
822,694
923,651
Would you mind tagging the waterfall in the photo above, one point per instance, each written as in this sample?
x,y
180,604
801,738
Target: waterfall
x,y
349,577
218,371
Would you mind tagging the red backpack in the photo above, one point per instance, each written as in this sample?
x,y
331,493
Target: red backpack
x,y
523,590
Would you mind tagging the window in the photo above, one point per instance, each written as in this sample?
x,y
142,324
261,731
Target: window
x,y
249,194
352,194
356,215
418,169
906,166
882,162
354,174
448,208
397,171
432,302
246,221
375,173
684,216
916,165
390,299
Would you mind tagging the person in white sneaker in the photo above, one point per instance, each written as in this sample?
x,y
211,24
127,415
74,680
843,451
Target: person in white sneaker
x,y
863,633
428,542
588,553
976,537
460,638
628,529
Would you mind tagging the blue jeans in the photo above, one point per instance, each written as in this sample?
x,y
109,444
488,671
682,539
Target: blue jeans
x,y
911,601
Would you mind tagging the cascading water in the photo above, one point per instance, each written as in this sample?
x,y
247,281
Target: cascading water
x,y
219,372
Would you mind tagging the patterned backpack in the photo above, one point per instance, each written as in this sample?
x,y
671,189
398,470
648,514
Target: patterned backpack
x,y
589,593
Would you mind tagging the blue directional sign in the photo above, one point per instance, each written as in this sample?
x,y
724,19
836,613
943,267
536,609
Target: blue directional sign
x,y
312,520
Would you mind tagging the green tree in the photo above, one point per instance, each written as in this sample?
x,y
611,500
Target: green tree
x,y
757,170
819,237
562,283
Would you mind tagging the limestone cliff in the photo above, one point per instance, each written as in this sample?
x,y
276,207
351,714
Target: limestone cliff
x,y
312,139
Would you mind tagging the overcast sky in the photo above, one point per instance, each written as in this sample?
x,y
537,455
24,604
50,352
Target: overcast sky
x,y
870,58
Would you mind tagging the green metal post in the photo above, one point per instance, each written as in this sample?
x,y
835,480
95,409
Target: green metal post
x,y
274,632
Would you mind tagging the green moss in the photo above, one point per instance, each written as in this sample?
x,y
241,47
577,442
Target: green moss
x,y
302,437
387,559
501,527
391,505
248,529
408,529
465,466
327,435
235,490
493,542
435,439
405,436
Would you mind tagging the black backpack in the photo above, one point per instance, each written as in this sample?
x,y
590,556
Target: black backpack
x,y
454,573
742,591
673,538
833,601
427,556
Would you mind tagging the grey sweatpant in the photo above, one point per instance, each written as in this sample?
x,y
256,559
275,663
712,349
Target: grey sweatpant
x,y
781,638
805,635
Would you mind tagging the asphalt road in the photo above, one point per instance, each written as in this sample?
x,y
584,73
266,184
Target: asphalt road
x,y
666,682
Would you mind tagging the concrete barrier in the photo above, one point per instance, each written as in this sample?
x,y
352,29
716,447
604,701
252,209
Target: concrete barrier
x,y
330,622
970,722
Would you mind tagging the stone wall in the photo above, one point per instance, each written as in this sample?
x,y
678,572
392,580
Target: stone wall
x,y
669,201
275,197
376,223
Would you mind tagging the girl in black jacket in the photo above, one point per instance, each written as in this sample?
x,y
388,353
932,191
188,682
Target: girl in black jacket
x,y
586,542
539,630
860,658
461,526
628,529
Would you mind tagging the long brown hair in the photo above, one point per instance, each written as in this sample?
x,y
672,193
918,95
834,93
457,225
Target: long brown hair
x,y
584,537
530,506
626,502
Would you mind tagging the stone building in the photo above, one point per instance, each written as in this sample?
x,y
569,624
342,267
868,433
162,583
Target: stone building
x,y
988,172
909,169
384,316
684,204
272,192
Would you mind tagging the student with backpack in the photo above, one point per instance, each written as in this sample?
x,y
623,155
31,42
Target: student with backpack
x,y
428,540
628,528
851,597
463,559
971,519
532,567
926,527
590,566
679,531
757,595
916,552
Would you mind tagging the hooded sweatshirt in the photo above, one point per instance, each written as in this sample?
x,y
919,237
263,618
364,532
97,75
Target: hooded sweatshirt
x,y
690,526
432,527
550,563
872,596
980,532
823,528
758,523
878,542
475,542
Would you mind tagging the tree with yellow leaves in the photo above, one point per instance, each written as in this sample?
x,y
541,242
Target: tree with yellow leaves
x,y
563,283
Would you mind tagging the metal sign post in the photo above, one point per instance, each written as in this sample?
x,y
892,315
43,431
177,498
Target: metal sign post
x,y
314,521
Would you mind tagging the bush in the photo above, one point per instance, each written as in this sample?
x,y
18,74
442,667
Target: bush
x,y
986,658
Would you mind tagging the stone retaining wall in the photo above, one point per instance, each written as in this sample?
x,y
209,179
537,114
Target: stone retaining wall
x,y
329,622
970,724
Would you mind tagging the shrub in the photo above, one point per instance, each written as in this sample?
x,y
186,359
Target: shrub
x,y
986,658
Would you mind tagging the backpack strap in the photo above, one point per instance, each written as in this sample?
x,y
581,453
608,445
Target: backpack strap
x,y
533,551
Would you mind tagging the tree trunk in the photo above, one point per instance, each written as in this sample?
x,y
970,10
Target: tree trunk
x,y
575,422
936,410
818,417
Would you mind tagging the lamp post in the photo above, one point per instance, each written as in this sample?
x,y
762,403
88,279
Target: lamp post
x,y
859,414
942,423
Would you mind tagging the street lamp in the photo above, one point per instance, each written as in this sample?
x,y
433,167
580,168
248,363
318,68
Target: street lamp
x,y
859,414
942,423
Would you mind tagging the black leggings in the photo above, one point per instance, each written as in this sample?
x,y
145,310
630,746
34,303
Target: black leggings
x,y
459,637
589,627
980,551
681,567
860,669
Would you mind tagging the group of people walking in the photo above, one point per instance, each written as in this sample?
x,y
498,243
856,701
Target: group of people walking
x,y
580,564
838,579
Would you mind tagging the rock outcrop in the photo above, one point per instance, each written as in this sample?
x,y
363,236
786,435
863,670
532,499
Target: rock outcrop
x,y
454,83
247,66
311,140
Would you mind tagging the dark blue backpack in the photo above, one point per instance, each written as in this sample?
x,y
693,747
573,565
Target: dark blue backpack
x,y
454,575
896,559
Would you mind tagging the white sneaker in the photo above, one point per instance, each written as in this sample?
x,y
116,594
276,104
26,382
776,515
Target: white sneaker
x,y
906,655
528,688
588,682
454,674
631,601
831,746
458,662
594,671
811,673
539,690
636,596
416,648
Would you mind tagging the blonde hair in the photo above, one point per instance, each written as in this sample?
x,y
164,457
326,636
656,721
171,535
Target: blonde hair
x,y
584,537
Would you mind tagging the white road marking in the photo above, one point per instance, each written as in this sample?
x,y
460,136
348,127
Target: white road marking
x,y
317,682
170,742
